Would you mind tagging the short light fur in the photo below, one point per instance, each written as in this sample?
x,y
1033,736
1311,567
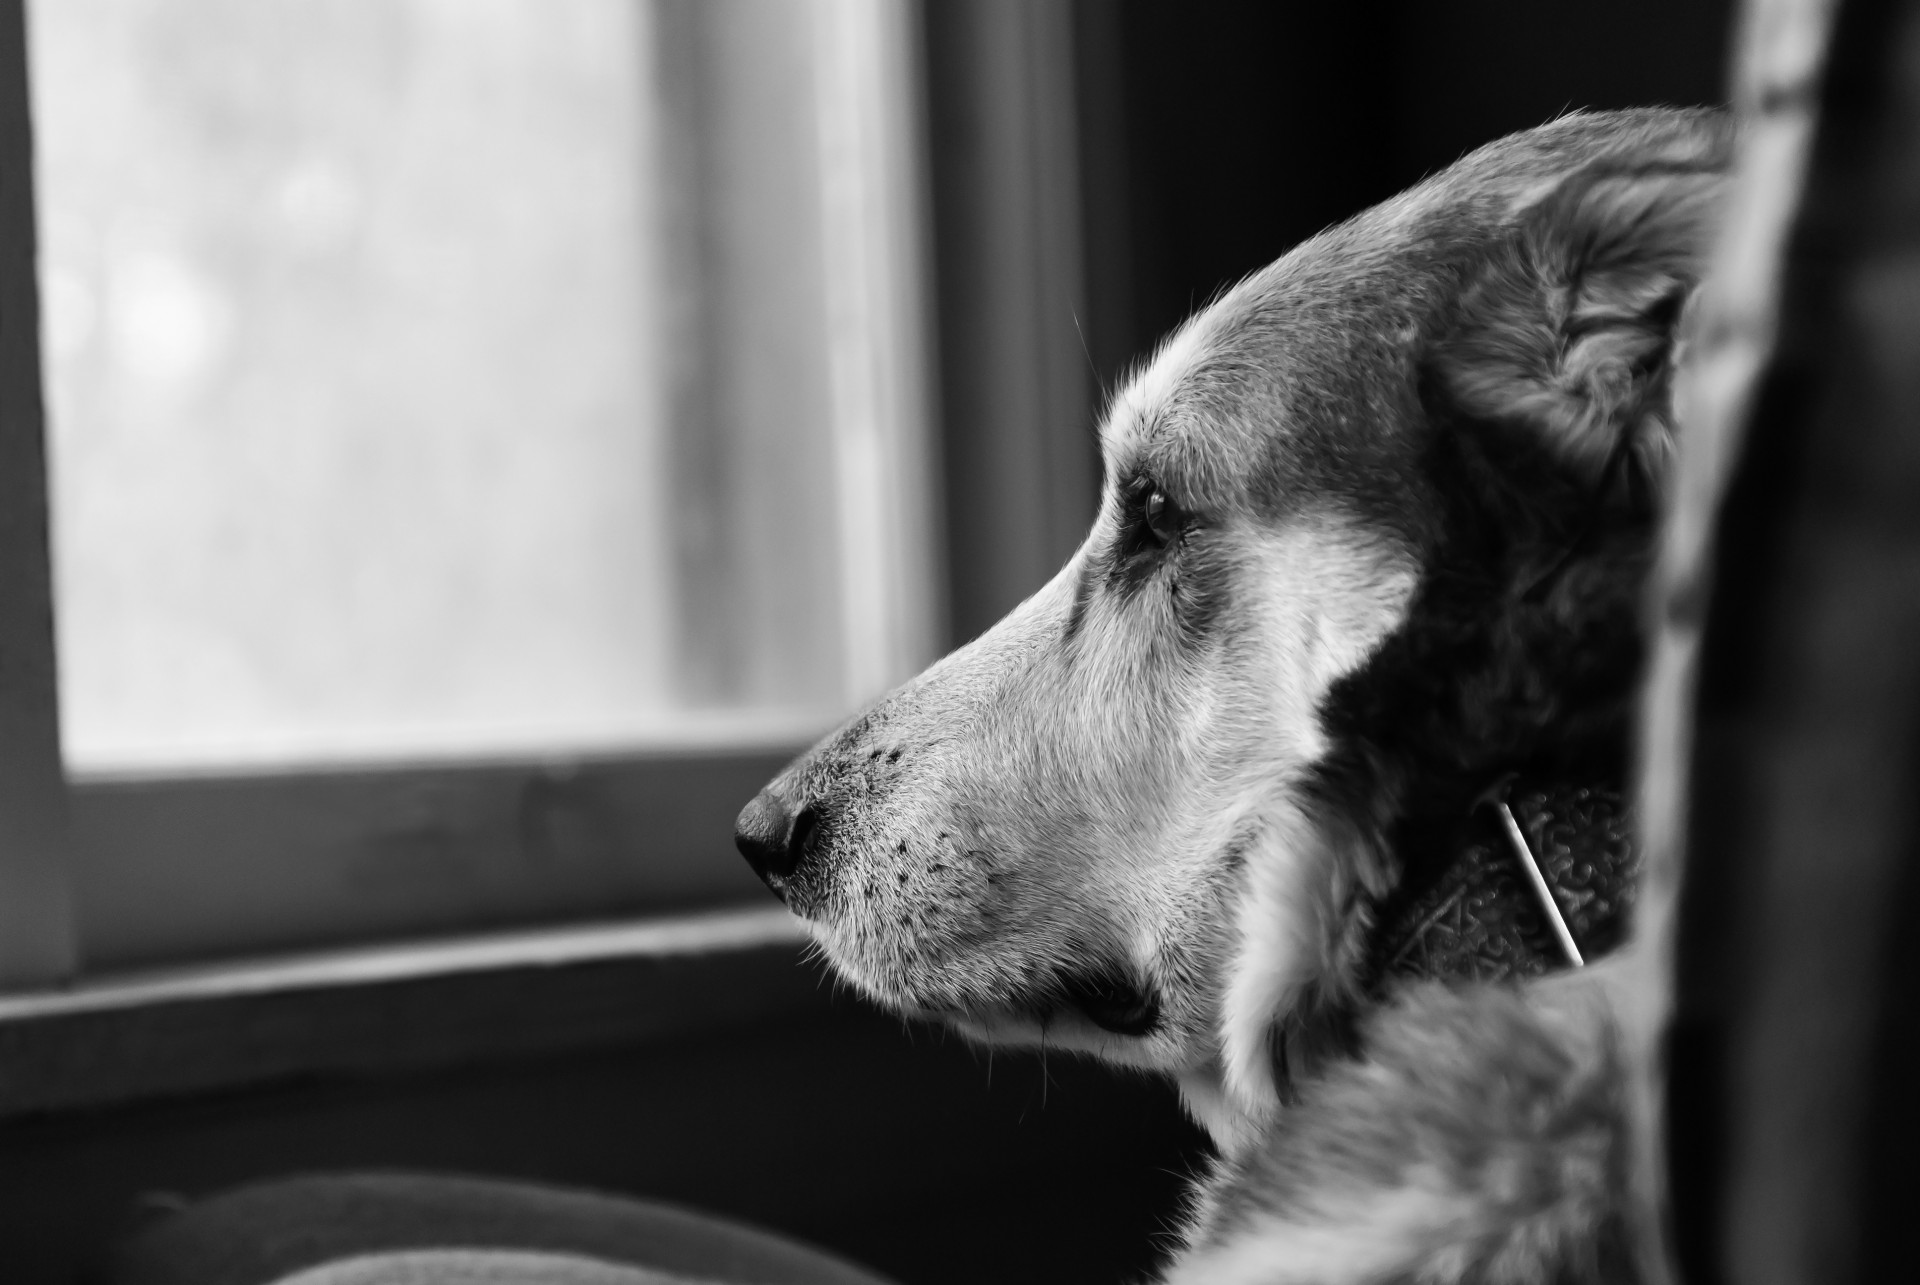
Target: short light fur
x,y
1373,529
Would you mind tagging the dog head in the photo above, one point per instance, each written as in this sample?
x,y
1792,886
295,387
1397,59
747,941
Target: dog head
x,y
1373,528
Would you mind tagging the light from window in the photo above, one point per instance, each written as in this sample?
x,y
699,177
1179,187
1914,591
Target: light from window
x,y
436,378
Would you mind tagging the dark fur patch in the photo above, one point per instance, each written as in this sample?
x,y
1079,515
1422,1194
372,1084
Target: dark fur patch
x,y
1521,650
1201,587
1190,571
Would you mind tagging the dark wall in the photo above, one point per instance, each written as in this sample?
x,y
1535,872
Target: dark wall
x,y
1220,134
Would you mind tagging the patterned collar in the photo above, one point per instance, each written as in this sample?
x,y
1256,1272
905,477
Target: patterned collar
x,y
1543,878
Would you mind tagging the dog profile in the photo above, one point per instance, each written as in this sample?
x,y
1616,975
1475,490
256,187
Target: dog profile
x,y
1372,538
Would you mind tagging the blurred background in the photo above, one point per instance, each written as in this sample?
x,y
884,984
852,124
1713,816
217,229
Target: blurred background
x,y
483,440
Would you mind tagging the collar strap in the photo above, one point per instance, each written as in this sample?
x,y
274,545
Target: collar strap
x,y
1481,916
1528,865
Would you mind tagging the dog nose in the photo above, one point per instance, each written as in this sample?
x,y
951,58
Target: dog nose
x,y
772,836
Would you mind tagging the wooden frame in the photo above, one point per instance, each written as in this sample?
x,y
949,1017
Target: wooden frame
x,y
189,869
400,1008
36,924
1017,385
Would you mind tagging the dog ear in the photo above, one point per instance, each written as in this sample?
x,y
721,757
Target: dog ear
x,y
1570,326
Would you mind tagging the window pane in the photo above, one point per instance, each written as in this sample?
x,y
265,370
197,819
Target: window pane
x,y
451,378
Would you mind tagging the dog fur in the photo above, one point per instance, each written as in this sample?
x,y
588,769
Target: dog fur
x,y
1374,529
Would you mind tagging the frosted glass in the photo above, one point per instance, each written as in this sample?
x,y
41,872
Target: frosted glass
x,y
359,390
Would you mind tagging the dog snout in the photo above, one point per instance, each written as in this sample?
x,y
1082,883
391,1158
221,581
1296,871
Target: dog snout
x,y
773,836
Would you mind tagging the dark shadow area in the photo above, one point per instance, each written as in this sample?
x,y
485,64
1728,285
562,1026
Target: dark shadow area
x,y
901,1148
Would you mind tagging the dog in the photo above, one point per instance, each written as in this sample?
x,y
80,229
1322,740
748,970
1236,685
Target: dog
x,y
1373,536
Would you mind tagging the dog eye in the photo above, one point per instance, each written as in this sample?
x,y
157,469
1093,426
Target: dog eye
x,y
1161,516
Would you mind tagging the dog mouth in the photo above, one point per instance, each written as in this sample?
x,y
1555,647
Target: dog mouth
x,y
1109,998
1112,1001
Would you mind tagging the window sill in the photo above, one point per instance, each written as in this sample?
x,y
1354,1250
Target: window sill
x,y
382,1009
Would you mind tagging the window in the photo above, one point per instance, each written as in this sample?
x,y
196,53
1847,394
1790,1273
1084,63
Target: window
x,y
485,440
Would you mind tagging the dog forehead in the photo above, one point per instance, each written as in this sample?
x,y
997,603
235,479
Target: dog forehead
x,y
1300,382
1296,385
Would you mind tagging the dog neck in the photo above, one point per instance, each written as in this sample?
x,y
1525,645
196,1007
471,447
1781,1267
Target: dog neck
x,y
1462,909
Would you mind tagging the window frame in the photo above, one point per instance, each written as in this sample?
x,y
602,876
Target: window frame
x,y
178,866
37,931
997,104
